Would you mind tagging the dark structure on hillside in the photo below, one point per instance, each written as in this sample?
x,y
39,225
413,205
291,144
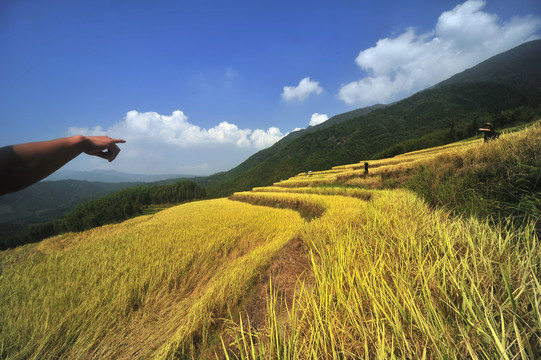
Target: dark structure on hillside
x,y
490,134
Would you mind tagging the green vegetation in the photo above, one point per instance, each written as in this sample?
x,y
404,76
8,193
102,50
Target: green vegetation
x,y
504,119
117,207
377,272
499,180
504,90
430,118
47,201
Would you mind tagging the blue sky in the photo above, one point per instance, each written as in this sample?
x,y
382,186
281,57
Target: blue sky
x,y
196,87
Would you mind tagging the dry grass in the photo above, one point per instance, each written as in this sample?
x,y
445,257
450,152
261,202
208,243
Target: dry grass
x,y
396,279
390,276
150,287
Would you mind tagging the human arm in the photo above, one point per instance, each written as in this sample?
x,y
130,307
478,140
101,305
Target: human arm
x,y
25,164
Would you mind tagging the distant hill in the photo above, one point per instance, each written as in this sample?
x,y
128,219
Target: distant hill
x,y
48,200
261,156
505,90
337,119
63,191
111,176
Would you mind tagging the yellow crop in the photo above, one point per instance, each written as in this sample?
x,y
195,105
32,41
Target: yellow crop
x,y
388,276
141,289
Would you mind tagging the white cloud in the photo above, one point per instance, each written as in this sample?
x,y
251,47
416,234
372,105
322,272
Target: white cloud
x,y
158,143
175,129
317,119
262,139
463,37
305,88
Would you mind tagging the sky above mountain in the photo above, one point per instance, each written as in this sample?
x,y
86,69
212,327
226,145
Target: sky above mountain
x,y
196,87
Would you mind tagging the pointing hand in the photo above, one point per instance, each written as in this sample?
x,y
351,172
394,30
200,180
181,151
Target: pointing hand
x,y
103,146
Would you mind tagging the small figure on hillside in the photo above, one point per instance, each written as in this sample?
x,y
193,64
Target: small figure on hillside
x,y
490,134
310,173
366,168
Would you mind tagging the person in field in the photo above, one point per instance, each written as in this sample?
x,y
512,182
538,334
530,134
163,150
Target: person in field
x,y
489,132
25,164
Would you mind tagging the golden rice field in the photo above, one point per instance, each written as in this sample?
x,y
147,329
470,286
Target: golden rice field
x,y
388,277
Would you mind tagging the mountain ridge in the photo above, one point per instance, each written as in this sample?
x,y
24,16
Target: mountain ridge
x,y
111,176
504,68
496,90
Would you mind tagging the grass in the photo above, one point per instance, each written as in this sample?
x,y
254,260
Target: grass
x,y
394,273
155,280
399,280
498,179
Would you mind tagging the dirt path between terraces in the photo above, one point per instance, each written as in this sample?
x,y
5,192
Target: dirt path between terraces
x,y
290,265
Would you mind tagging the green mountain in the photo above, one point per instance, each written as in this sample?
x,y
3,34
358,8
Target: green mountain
x,y
263,155
41,198
48,200
504,90
517,67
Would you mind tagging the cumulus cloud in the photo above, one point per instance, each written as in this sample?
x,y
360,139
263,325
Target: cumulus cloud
x,y
175,129
158,143
305,88
263,139
317,119
463,37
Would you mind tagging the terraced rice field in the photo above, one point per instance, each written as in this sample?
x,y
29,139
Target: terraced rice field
x,y
333,265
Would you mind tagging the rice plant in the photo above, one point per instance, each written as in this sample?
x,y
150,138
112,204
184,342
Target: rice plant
x,y
392,273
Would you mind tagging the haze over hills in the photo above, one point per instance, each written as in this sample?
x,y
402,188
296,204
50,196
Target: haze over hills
x,y
110,176
505,89
48,200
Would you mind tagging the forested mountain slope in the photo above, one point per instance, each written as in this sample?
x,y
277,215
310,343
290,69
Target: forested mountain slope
x,y
516,67
48,200
503,90
265,154
108,209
